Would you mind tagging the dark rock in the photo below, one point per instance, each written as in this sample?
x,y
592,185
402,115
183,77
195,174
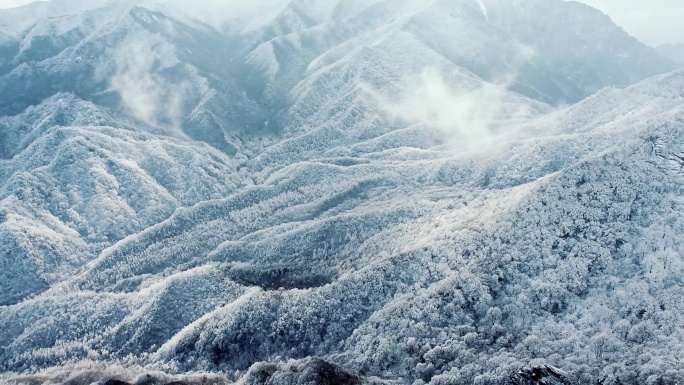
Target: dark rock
x,y
541,375
263,372
313,371
322,372
147,379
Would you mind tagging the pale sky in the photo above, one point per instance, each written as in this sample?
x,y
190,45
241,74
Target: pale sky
x,y
13,3
653,22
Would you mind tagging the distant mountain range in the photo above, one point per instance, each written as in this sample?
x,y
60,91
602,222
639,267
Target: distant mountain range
x,y
313,191
672,51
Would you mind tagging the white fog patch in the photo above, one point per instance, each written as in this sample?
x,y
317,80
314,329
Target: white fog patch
x,y
144,92
468,118
471,118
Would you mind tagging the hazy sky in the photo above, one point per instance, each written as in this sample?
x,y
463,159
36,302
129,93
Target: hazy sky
x,y
654,22
13,3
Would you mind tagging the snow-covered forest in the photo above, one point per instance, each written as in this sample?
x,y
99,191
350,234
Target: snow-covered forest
x,y
338,192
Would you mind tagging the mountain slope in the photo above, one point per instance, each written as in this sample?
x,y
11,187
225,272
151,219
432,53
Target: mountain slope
x,y
551,253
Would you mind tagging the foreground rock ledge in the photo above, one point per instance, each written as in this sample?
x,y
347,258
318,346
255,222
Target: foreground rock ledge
x,y
310,371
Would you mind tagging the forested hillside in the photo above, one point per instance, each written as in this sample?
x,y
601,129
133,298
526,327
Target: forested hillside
x,y
308,191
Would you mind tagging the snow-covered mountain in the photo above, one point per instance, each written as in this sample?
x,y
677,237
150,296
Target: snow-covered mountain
x,y
309,191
